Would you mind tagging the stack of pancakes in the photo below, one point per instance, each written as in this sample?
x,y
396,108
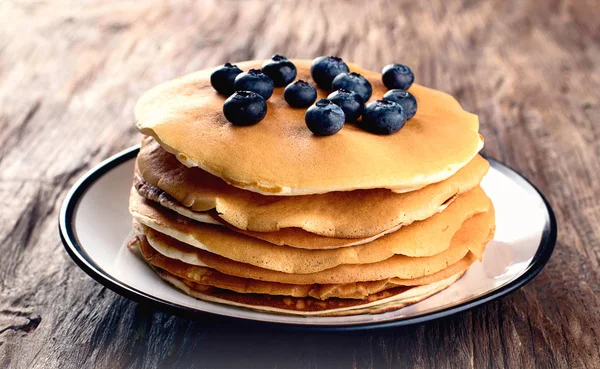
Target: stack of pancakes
x,y
273,218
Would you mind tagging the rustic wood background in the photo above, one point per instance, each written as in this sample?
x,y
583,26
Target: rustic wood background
x,y
70,73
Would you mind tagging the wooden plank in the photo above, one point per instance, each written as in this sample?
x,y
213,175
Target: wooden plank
x,y
70,74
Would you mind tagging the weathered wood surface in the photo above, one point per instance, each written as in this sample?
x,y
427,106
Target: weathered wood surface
x,y
70,73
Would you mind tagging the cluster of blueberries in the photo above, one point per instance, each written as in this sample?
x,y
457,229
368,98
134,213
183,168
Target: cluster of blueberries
x,y
248,92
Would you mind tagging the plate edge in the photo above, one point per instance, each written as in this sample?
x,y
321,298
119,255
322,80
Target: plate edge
x,y
74,250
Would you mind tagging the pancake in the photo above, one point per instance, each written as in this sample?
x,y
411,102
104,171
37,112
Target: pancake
x,y
470,203
469,241
176,250
427,237
380,302
214,278
298,238
155,194
280,156
295,237
359,214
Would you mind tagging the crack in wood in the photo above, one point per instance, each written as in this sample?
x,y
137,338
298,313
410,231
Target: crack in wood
x,y
33,322
19,129
65,177
20,236
18,313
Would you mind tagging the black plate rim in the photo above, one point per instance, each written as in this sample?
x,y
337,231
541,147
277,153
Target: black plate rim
x,y
83,260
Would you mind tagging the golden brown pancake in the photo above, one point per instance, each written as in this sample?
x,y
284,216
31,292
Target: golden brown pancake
x,y
280,156
473,235
420,240
295,237
351,214
176,250
427,237
388,300
214,278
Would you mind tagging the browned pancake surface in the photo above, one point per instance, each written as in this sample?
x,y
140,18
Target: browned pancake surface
x,y
280,156
388,300
359,290
428,237
471,239
351,214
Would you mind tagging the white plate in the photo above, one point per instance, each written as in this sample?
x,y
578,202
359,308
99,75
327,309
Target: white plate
x,y
95,226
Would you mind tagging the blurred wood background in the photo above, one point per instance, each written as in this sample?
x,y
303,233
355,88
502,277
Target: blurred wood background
x,y
70,73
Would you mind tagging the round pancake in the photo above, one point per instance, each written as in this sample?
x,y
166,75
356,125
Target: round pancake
x,y
298,238
179,251
427,237
388,300
280,156
155,194
214,278
294,237
351,214
471,239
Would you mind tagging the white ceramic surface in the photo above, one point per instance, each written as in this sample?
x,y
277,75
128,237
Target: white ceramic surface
x,y
101,226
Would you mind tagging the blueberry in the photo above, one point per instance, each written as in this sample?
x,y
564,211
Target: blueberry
x,y
222,78
350,102
353,82
324,118
397,76
245,108
325,68
254,80
300,94
383,117
280,69
404,98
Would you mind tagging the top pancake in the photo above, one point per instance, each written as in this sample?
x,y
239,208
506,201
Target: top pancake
x,y
280,156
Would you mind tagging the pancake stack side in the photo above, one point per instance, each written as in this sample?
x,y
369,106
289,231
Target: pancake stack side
x,y
275,219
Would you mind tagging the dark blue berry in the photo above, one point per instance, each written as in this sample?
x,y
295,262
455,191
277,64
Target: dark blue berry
x,y
222,78
350,102
256,81
325,68
280,70
397,76
300,94
383,117
324,118
404,98
245,108
353,82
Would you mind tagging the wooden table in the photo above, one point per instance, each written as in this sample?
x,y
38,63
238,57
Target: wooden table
x,y
70,74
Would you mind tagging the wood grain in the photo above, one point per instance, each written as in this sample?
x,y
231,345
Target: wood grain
x,y
70,73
